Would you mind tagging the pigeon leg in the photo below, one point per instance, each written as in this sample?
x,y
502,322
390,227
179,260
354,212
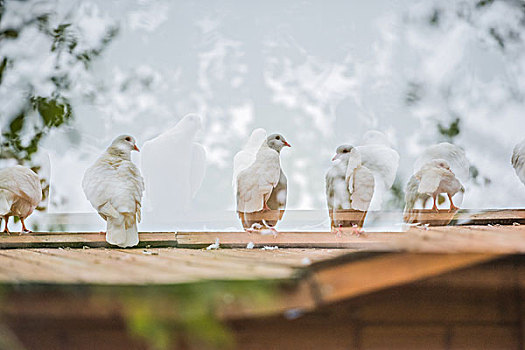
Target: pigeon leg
x,y
265,206
452,206
434,207
24,228
337,230
356,230
6,230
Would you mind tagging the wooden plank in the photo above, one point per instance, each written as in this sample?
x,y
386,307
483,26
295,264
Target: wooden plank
x,y
160,266
55,267
206,265
495,239
441,303
301,257
282,240
15,270
464,239
62,233
484,337
325,283
364,276
403,337
79,240
298,334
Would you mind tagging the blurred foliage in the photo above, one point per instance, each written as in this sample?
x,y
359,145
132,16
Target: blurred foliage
x,y
414,93
435,17
37,115
450,131
186,315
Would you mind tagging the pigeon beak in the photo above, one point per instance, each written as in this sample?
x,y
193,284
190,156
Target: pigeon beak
x,y
136,148
334,158
287,144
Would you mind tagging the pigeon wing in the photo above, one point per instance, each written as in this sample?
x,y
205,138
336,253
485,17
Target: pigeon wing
x,y
22,182
518,160
454,155
383,162
363,189
198,167
246,157
429,181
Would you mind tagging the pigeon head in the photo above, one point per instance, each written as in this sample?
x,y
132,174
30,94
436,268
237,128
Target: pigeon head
x,y
277,142
342,151
374,137
191,122
123,144
440,163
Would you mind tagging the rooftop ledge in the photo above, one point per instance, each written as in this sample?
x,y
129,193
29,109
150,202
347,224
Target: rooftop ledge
x,y
306,269
494,231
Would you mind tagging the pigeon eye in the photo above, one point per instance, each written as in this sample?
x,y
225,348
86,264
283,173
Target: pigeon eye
x,y
278,137
128,139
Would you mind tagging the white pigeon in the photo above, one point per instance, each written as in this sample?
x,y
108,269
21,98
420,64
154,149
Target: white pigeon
x,y
20,194
433,178
382,160
452,154
246,157
256,183
337,193
518,160
114,187
174,166
349,184
360,181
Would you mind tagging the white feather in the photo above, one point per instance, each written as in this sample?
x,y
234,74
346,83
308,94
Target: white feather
x,y
454,155
198,167
378,156
20,191
383,162
363,188
518,160
255,184
433,178
114,187
337,194
246,157
429,180
174,166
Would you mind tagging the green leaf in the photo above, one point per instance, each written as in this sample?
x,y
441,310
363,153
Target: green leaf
x,y
17,124
3,65
53,111
452,130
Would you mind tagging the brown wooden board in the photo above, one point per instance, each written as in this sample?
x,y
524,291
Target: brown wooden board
x,y
476,238
79,240
102,266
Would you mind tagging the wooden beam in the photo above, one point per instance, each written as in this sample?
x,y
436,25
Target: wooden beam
x,y
352,279
342,279
79,240
445,239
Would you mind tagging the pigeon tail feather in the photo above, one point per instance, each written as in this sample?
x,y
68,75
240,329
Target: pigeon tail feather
x,y
6,201
122,231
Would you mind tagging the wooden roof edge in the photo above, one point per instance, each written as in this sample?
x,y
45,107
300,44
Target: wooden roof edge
x,y
351,276
324,283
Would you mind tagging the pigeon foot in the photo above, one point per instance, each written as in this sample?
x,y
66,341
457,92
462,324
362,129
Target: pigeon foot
x,y
356,230
337,231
